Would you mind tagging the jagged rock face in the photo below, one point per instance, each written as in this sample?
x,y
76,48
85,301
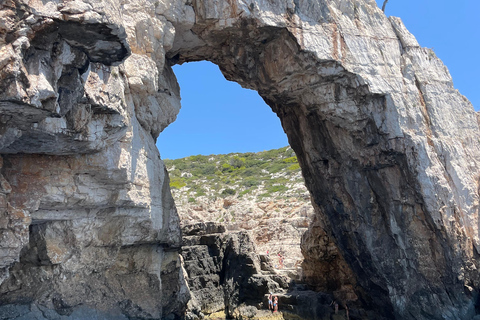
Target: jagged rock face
x,y
389,150
224,273
89,228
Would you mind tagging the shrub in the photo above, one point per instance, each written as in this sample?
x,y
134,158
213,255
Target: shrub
x,y
290,160
253,163
180,164
227,168
294,167
237,162
277,188
276,167
264,195
228,192
203,169
244,192
177,183
251,171
250,182
200,192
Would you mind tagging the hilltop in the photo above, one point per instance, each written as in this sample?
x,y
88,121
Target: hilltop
x,y
254,176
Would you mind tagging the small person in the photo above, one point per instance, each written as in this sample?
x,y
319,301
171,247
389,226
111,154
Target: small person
x,y
335,305
275,304
270,302
280,261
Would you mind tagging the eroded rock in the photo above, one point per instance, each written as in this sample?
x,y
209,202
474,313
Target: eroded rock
x,y
390,151
224,273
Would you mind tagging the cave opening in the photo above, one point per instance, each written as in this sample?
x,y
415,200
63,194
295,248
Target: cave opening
x,y
250,192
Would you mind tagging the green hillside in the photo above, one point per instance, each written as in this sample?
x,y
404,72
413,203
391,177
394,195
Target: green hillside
x,y
262,174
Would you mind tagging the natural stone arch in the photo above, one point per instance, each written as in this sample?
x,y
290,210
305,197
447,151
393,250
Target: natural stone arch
x,y
355,143
389,150
293,83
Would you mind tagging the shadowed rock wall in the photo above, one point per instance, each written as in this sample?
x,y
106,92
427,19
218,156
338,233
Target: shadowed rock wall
x,y
390,151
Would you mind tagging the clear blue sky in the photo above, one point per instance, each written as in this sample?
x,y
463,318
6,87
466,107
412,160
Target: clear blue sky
x,y
219,116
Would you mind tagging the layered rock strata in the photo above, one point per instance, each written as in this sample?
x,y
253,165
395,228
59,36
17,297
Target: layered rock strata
x,y
276,227
394,178
262,192
89,228
226,277
390,151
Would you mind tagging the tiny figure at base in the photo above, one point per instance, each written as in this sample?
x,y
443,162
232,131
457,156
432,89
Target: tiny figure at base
x,y
270,301
335,305
275,304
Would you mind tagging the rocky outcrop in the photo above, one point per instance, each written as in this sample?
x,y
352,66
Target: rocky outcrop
x,y
390,151
226,277
224,274
394,179
276,225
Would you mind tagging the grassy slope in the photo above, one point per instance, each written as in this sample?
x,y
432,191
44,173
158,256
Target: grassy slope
x,y
262,175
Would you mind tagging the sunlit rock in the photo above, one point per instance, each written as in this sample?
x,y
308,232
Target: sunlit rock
x,y
390,151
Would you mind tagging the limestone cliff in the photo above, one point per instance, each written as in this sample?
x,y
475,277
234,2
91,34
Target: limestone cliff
x,y
224,274
88,225
228,279
390,151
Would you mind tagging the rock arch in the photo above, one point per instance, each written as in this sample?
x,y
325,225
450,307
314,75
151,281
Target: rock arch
x,y
347,92
389,150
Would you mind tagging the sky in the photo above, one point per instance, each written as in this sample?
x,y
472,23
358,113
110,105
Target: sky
x,y
219,116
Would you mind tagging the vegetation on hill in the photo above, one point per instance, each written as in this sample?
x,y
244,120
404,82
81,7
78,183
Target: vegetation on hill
x,y
262,174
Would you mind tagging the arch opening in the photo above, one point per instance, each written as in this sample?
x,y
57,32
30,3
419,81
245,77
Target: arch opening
x,y
317,102
250,208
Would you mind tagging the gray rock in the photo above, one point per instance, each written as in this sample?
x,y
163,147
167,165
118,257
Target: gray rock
x,y
390,152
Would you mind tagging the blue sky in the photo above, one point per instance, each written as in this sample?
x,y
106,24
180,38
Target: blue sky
x,y
218,116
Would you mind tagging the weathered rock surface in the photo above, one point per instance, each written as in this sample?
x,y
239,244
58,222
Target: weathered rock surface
x,y
227,277
220,269
394,178
224,273
276,226
390,151
269,199
89,228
